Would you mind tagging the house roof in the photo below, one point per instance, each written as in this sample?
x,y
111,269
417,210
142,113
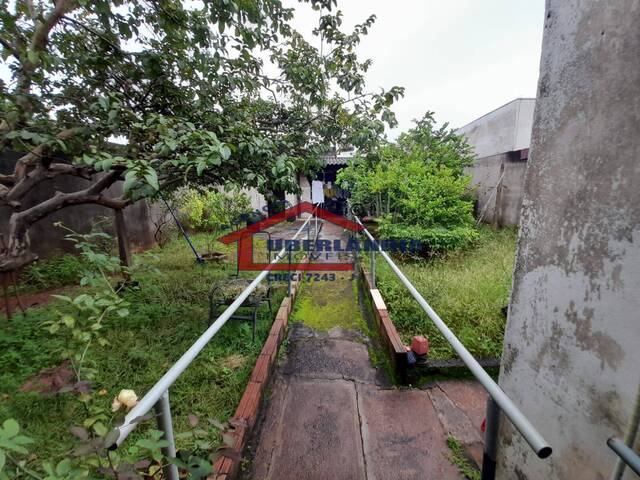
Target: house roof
x,y
336,159
303,207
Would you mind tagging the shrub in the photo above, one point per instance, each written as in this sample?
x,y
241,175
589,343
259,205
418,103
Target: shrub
x,y
434,240
428,205
206,209
416,188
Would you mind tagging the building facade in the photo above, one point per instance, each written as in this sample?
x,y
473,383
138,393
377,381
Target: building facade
x,y
500,141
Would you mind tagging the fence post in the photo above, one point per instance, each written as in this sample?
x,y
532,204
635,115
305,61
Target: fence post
x,y
163,417
289,271
490,440
373,268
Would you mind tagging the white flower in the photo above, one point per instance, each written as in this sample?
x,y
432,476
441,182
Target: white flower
x,y
126,398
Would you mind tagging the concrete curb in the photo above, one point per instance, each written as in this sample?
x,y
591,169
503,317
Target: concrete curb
x,y
388,332
242,423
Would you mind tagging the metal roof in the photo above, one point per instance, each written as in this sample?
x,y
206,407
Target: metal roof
x,y
336,159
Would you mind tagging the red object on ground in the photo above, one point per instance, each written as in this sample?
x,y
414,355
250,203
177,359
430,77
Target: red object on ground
x,y
420,345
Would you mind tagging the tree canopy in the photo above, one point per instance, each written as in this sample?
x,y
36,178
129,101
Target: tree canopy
x,y
185,92
416,187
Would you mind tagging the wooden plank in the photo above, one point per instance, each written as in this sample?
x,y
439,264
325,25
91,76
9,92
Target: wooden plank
x,y
391,333
378,302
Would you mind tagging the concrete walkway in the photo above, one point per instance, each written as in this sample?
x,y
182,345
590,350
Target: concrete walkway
x,y
332,415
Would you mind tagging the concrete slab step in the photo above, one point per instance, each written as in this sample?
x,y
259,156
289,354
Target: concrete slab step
x,y
402,436
311,432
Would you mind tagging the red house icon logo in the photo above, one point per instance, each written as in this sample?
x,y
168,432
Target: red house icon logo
x,y
244,237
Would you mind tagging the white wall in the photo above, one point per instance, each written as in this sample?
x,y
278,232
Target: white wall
x,y
258,202
505,129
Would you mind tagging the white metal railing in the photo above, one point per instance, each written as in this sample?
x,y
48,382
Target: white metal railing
x,y
627,457
158,396
497,401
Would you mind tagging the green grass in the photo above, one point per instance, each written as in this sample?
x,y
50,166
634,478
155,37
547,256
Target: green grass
x,y
57,271
466,469
467,289
167,314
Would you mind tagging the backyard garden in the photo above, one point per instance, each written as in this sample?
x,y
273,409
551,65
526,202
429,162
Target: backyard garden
x,y
175,103
66,363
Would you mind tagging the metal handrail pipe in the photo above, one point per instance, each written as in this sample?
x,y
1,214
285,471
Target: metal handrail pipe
x,y
153,395
626,453
522,424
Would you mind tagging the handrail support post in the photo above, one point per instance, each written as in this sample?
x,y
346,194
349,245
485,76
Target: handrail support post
x,y
492,426
373,268
163,417
289,273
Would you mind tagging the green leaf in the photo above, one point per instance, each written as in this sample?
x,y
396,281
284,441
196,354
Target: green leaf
x,y
100,429
104,103
46,466
130,179
150,444
63,467
152,179
22,440
107,163
68,320
32,56
10,428
2,460
64,298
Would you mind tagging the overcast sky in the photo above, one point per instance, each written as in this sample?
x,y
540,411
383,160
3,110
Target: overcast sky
x,y
458,58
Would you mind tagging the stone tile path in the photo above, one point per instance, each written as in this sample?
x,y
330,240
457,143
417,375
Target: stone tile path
x,y
332,415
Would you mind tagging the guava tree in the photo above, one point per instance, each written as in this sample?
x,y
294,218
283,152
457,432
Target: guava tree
x,y
157,93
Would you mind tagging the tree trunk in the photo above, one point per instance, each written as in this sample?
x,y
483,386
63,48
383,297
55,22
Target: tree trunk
x,y
123,240
275,203
18,252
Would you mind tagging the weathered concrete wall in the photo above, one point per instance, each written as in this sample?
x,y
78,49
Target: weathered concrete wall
x,y
504,129
485,175
47,240
496,139
572,343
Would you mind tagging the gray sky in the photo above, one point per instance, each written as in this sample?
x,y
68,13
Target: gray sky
x,y
459,58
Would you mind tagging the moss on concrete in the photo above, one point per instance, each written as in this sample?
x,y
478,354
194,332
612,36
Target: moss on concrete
x,y
324,304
